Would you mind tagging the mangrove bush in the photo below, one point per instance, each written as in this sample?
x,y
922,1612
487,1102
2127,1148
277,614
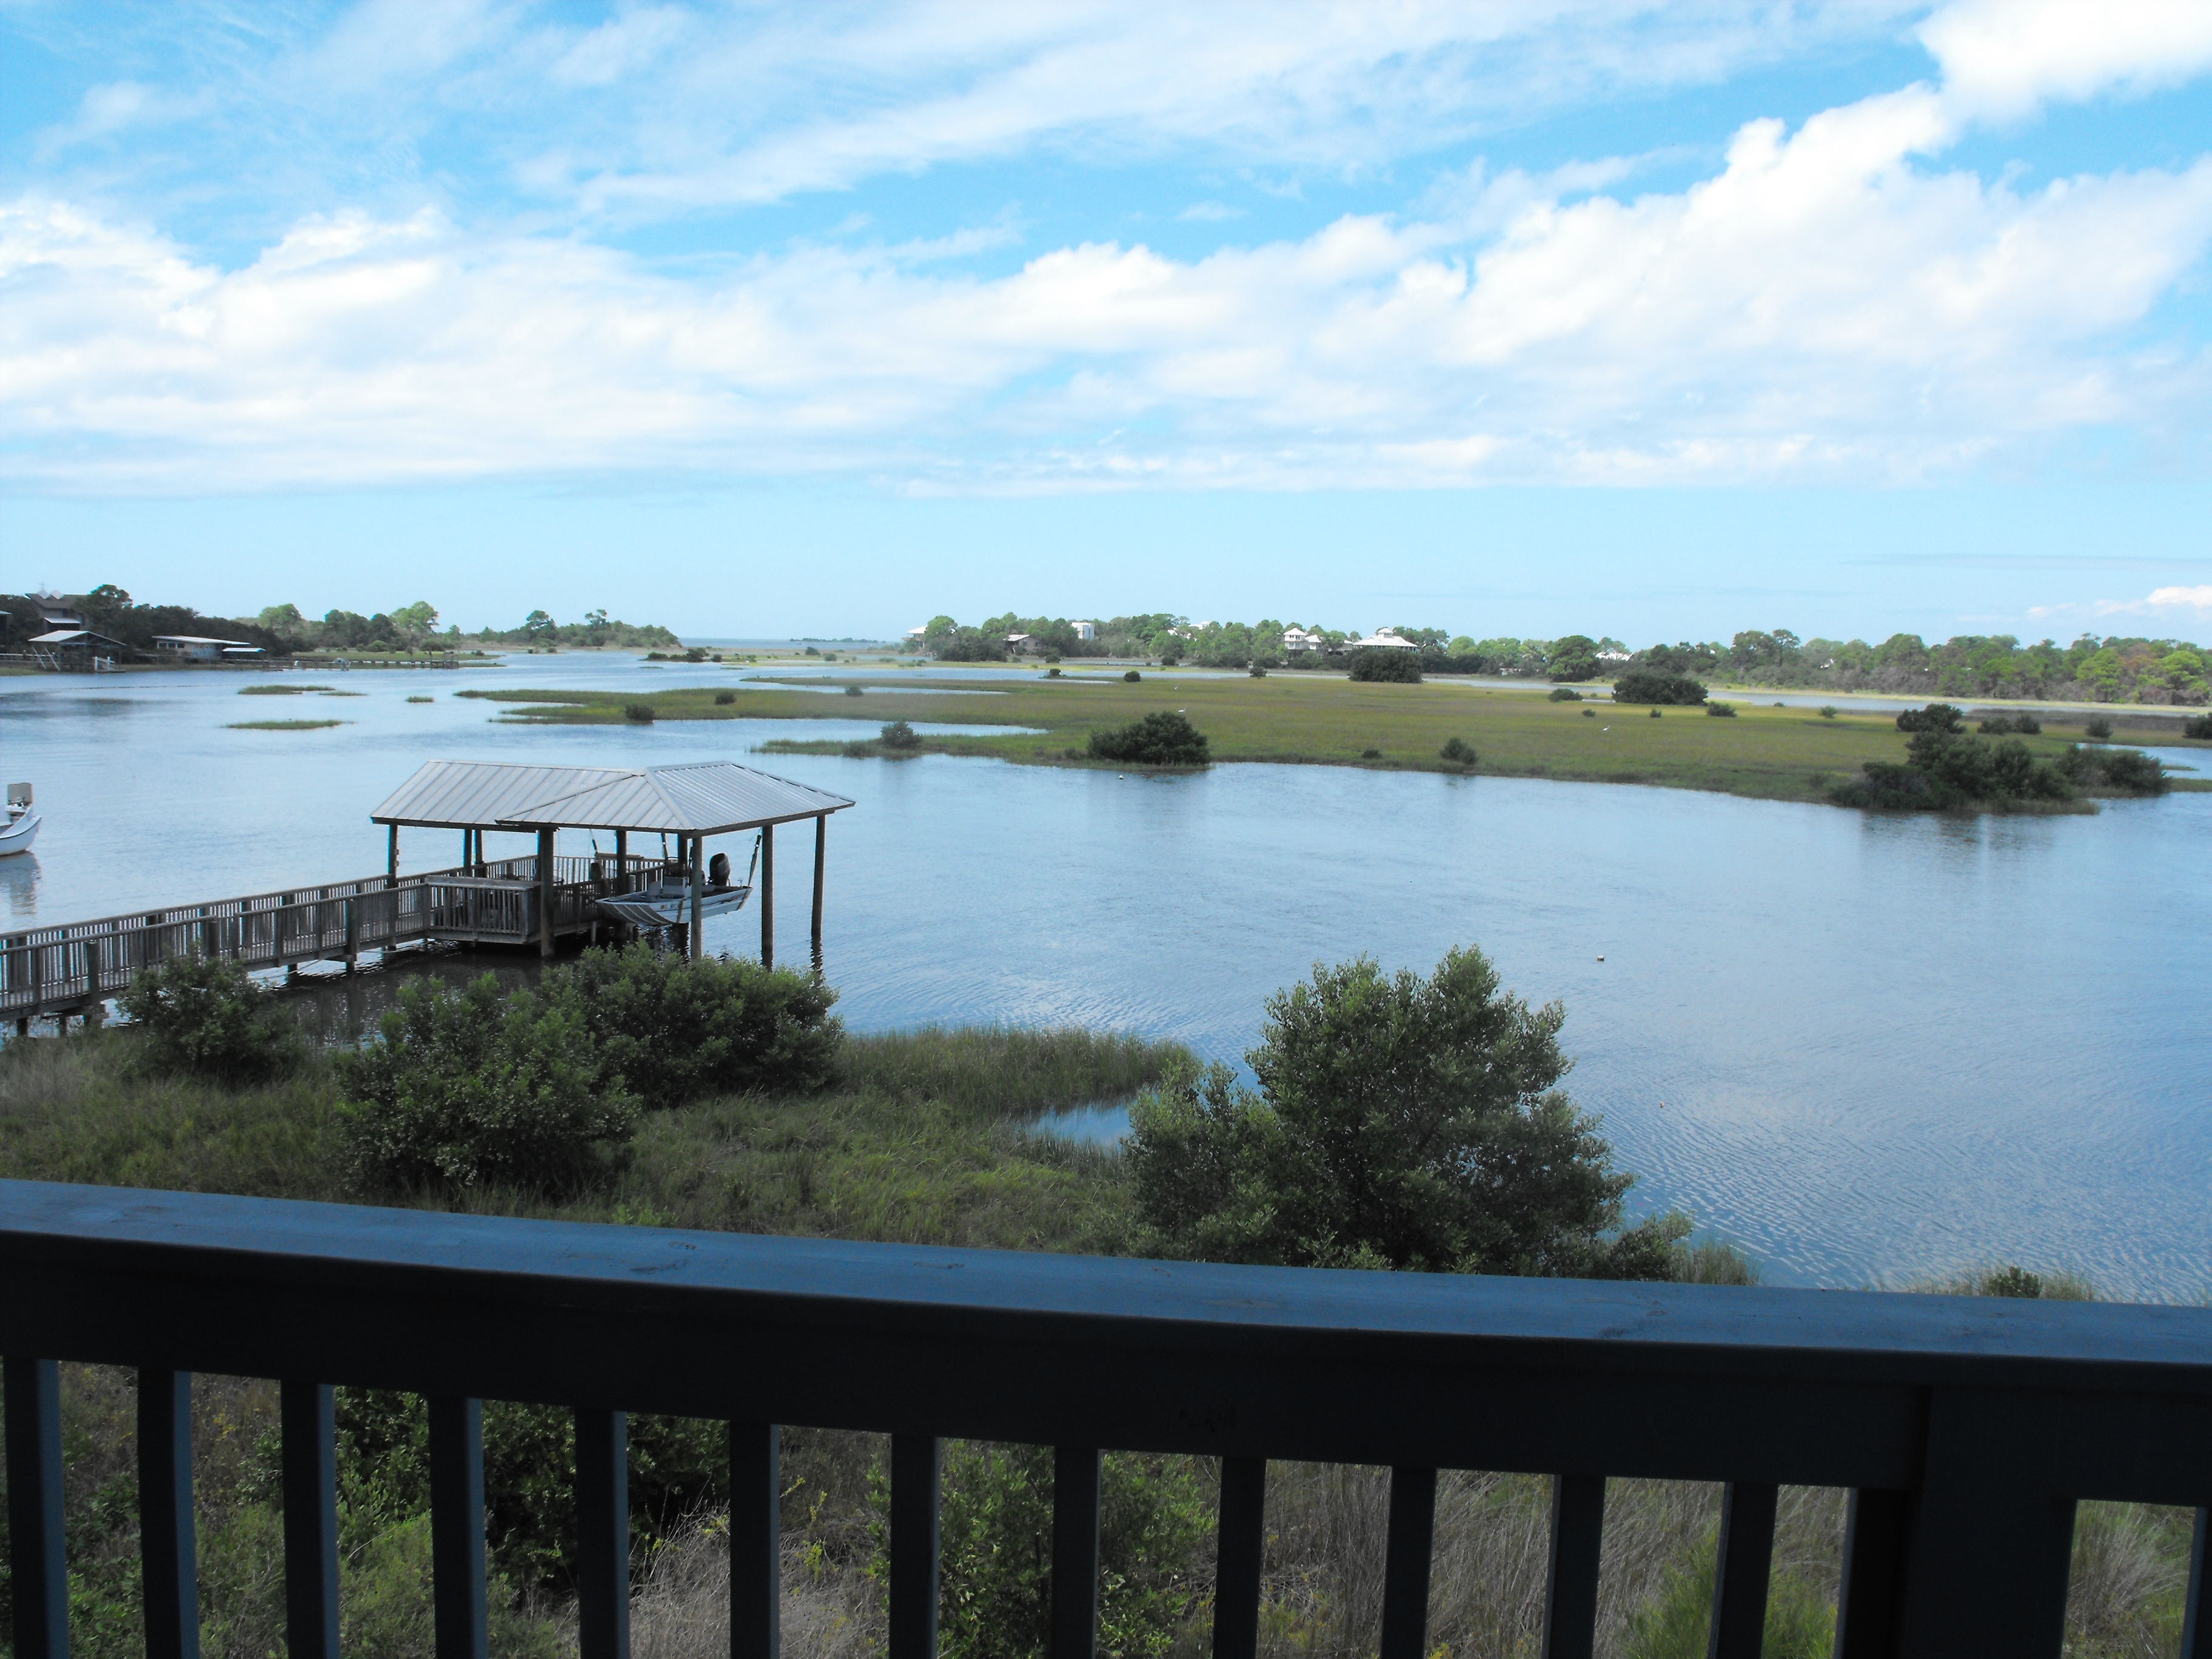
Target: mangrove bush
x,y
1400,1121
1161,739
207,1017
1643,685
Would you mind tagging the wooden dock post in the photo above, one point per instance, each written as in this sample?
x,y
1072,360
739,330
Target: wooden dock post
x,y
821,855
698,929
768,896
392,856
545,891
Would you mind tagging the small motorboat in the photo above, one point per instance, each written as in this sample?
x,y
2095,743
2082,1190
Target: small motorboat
x,y
667,902
20,827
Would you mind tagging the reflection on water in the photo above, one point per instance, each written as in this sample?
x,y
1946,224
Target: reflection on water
x,y
1858,1045
19,879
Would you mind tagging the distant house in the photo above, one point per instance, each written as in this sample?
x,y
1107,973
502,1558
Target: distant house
x,y
1298,640
193,647
1619,656
1384,639
79,648
1024,645
59,616
917,634
1084,630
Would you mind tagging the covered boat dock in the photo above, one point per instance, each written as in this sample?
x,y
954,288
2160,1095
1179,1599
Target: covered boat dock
x,y
690,803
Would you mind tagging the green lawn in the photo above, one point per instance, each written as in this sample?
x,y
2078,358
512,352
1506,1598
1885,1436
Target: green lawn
x,y
1776,754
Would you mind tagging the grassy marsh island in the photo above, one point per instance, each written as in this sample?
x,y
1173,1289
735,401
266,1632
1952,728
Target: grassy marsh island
x,y
1765,753
283,726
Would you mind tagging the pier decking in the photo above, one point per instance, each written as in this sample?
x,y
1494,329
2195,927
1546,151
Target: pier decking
x,y
538,899
73,966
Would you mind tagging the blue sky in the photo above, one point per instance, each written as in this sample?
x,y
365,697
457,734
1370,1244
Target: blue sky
x,y
1629,318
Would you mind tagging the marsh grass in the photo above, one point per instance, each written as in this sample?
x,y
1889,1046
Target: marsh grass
x,y
1786,754
283,726
281,690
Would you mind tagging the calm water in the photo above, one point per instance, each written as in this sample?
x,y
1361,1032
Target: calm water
x,y
1859,1047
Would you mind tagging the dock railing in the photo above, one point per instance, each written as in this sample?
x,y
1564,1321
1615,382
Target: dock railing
x,y
67,966
1966,1430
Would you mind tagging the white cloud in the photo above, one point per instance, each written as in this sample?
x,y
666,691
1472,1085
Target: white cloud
x,y
2198,601
2004,56
1823,307
1209,212
114,107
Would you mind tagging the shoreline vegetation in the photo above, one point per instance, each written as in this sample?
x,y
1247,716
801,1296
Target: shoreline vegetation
x,y
1763,754
2108,669
772,1118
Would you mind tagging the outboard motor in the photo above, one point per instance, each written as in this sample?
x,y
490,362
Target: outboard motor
x,y
718,870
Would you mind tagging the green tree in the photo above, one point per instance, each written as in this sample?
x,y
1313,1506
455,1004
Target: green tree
x,y
1400,1121
539,625
1574,658
1158,739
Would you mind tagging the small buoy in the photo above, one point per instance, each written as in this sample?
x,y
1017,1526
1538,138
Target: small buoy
x,y
1601,958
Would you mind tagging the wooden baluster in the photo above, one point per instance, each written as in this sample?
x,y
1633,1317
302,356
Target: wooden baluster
x,y
1742,1561
821,865
460,1607
2196,1614
1406,1563
1570,1587
1075,1487
756,1541
916,1460
602,1534
1989,1539
307,1416
1240,1555
39,1571
167,1548
1874,1563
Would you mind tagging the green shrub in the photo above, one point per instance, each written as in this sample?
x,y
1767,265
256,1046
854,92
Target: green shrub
x,y
208,1017
1371,754
1644,685
1380,665
1563,693
897,734
1161,739
2097,728
1936,717
1258,673
1655,711
642,712
1458,750
1589,714
1132,676
1829,711
1052,674
674,1029
1401,1121
2198,725
995,1540
850,691
1998,725
2133,771
1720,710
724,699
462,1088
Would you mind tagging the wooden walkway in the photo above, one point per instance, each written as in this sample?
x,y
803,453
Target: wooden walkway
x,y
74,967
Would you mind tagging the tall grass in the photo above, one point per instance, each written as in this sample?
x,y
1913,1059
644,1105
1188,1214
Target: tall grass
x,y
1003,1071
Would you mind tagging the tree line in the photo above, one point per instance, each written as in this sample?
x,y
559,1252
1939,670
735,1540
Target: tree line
x,y
2110,668
284,630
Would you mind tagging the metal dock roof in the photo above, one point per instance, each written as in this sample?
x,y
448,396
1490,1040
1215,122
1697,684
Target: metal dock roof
x,y
710,797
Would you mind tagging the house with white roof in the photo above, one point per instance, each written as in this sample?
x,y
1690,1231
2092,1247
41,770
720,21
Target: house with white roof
x,y
1384,639
1084,630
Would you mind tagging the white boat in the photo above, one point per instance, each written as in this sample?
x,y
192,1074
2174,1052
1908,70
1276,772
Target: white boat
x,y
668,903
20,827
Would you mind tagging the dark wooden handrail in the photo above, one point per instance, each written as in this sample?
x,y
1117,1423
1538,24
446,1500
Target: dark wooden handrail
x,y
1967,1429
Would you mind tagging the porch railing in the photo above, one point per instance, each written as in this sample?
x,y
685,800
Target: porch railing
x,y
1966,1430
